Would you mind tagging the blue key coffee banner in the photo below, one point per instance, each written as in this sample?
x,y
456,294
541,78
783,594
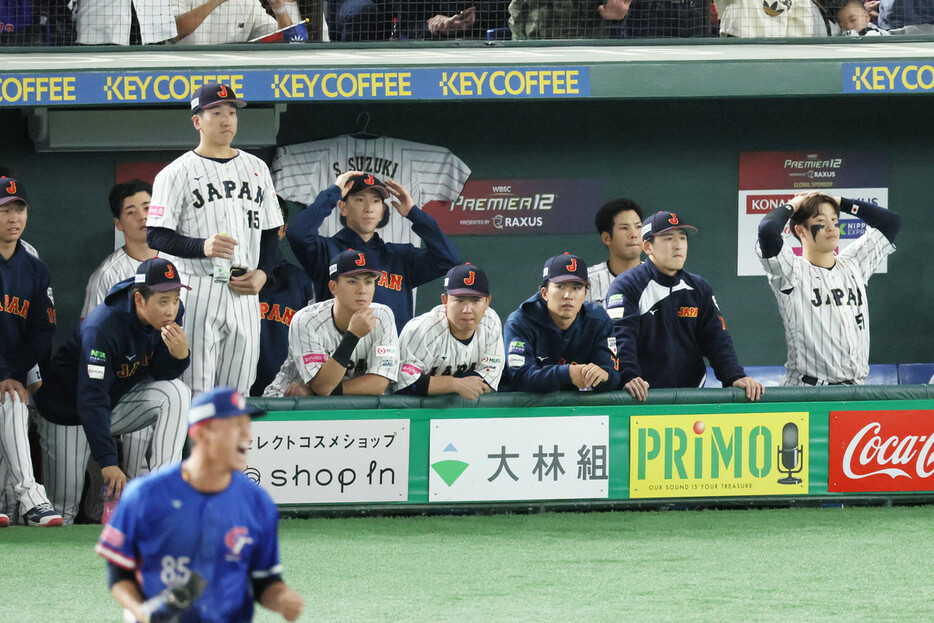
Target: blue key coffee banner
x,y
271,86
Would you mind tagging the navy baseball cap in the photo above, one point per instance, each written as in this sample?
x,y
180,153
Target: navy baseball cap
x,y
212,94
159,274
220,402
662,222
352,262
12,190
466,279
565,267
363,182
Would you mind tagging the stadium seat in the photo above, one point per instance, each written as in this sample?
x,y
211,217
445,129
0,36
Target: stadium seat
x,y
883,374
915,373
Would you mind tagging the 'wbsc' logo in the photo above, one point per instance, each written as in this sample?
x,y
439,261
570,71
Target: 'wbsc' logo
x,y
718,455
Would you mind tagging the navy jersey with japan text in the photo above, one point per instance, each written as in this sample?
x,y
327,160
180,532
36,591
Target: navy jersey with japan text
x,y
404,266
163,529
665,326
27,314
108,354
539,354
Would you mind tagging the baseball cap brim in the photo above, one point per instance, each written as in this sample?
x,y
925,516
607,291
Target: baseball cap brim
x,y
688,229
237,103
379,189
7,200
466,291
359,271
563,278
165,287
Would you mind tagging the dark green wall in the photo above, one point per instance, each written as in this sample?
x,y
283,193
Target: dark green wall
x,y
680,155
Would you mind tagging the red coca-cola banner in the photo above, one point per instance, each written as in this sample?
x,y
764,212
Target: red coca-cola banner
x,y
881,451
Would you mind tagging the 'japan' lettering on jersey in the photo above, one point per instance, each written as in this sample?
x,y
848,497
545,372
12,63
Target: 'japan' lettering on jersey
x,y
164,529
428,348
429,172
825,310
199,197
313,338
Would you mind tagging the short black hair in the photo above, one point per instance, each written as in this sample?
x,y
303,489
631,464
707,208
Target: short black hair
x,y
126,189
146,291
607,213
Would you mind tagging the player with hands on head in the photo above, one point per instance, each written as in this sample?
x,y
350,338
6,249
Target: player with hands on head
x,y
361,201
117,373
666,320
214,213
556,340
197,540
619,223
456,347
26,331
345,345
822,295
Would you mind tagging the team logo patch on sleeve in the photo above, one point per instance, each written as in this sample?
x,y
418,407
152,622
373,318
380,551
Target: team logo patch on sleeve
x,y
616,313
314,358
50,295
156,210
611,343
97,357
516,346
411,369
489,361
515,361
614,300
96,372
112,537
386,350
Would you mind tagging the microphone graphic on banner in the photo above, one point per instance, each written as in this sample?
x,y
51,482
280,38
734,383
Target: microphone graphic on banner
x,y
790,457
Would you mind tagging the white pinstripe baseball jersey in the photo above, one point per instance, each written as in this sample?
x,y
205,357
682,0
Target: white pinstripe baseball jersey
x,y
313,338
426,346
116,267
199,197
429,172
825,310
600,279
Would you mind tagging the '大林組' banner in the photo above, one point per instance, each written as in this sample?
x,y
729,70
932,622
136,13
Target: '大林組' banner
x,y
270,86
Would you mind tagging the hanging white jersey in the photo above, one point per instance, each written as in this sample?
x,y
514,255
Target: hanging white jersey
x,y
429,172
115,268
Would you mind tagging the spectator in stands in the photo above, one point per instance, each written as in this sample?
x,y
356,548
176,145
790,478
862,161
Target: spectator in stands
x,y
854,20
109,22
230,21
667,319
619,223
564,19
903,13
773,18
360,20
668,18
288,289
558,341
444,19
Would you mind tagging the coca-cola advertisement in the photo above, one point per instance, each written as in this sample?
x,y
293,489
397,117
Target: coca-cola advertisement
x,y
880,451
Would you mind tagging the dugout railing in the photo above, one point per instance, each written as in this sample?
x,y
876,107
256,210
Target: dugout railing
x,y
522,452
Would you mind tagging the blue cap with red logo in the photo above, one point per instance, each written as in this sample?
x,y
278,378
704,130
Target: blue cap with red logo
x,y
352,262
12,190
158,274
220,402
565,267
662,222
466,279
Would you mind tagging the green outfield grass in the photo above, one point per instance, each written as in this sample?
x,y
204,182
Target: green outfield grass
x,y
840,564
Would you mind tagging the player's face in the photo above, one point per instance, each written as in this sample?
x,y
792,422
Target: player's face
x,y
564,301
363,211
132,221
625,239
821,231
354,292
668,251
160,310
464,313
853,17
218,124
12,221
228,441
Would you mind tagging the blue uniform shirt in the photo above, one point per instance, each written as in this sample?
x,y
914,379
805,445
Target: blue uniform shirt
x,y
404,266
107,355
288,289
27,321
163,528
539,354
665,326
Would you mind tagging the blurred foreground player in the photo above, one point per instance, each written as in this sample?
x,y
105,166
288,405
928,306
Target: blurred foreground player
x,y
822,295
198,541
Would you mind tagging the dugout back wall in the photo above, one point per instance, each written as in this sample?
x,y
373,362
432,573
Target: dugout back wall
x,y
678,154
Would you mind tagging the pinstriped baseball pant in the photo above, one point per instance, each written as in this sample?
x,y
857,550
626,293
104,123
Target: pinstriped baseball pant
x,y
15,459
65,449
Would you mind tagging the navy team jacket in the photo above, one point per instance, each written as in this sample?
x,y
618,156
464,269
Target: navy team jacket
x,y
27,321
539,354
404,266
665,326
106,356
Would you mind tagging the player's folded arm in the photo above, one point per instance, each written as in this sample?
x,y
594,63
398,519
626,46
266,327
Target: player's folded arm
x,y
770,230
